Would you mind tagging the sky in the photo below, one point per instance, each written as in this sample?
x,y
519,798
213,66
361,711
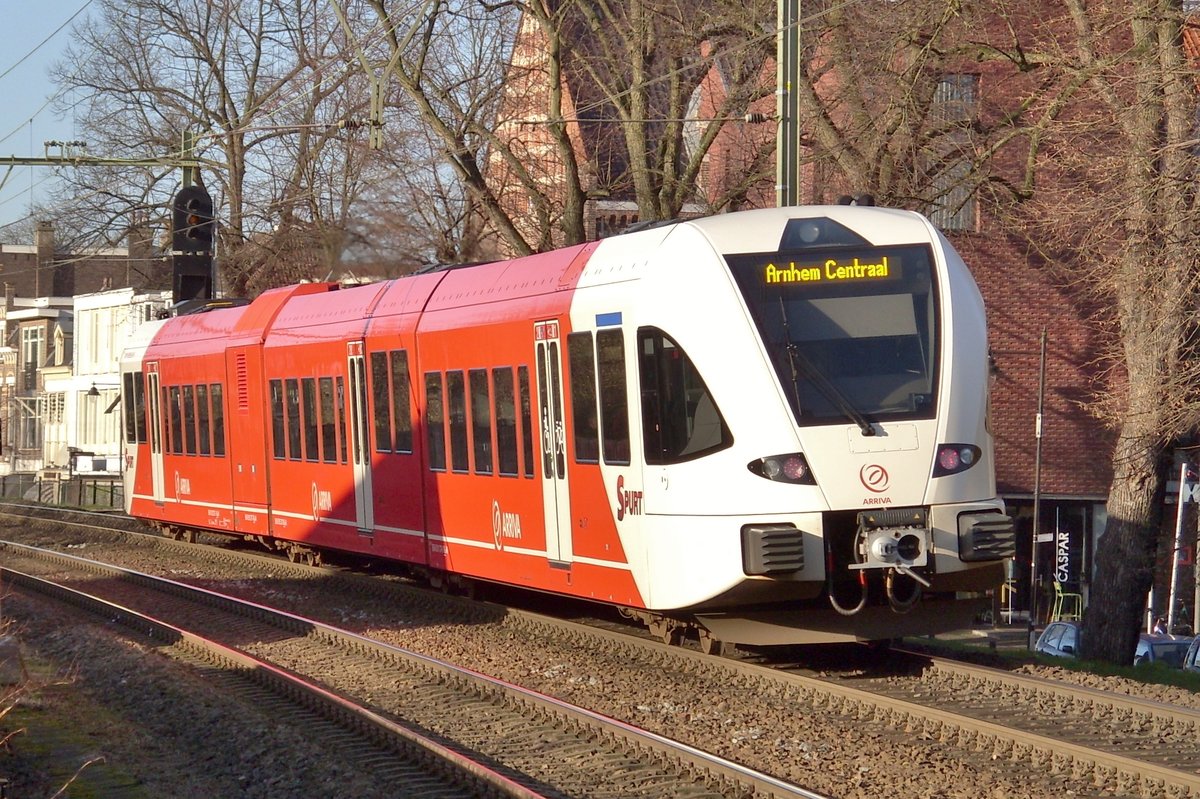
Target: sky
x,y
29,44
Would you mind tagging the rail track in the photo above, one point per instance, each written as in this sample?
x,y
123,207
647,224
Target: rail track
x,y
1092,743
536,745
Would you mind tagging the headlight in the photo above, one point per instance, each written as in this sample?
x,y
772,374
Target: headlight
x,y
955,458
790,468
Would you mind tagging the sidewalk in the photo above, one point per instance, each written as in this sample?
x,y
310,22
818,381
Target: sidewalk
x,y
1006,636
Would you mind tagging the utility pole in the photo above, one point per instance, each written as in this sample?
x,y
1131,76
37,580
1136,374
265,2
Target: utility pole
x,y
1037,493
787,67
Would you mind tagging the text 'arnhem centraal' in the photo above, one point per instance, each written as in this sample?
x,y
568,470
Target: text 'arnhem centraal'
x,y
831,270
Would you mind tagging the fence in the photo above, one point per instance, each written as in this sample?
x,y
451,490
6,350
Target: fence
x,y
78,492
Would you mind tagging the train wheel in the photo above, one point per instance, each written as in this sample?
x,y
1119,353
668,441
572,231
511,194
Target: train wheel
x,y
669,631
709,644
189,536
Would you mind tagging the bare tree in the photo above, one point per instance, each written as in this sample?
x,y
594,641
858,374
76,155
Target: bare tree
x,y
545,105
1121,195
254,80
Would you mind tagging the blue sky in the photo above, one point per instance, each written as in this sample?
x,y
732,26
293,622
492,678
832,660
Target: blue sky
x,y
24,88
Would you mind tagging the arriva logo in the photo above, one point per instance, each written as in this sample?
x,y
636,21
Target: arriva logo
x,y
874,478
504,525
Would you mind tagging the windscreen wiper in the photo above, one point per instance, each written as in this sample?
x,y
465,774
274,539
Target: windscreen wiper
x,y
818,378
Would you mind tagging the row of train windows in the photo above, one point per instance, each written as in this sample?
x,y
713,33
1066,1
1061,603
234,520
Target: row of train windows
x,y
196,420
308,419
308,415
194,415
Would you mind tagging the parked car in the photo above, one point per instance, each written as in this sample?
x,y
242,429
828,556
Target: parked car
x,y
1191,658
1061,639
1166,649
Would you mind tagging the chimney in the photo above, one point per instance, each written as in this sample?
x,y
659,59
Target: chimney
x,y
43,241
141,249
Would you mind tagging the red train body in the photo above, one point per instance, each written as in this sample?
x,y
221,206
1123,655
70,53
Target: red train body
x,y
516,422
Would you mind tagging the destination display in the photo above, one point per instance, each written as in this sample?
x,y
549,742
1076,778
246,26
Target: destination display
x,y
842,269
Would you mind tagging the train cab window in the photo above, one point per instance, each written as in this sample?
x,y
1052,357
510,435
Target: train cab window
x,y
506,421
379,400
308,390
328,426
435,425
481,421
456,398
218,418
277,426
614,396
680,420
291,401
203,425
581,359
526,420
127,393
176,420
134,404
401,402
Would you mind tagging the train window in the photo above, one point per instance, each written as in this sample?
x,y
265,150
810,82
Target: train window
x,y
189,419
506,421
582,360
130,410
328,430
277,416
176,421
134,405
203,429
401,402
165,413
308,390
680,420
526,419
456,398
291,401
379,399
614,397
435,425
481,421
139,407
340,384
218,418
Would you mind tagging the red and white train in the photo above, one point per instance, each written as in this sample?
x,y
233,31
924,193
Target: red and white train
x,y
768,426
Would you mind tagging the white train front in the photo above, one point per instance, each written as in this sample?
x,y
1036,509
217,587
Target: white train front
x,y
769,426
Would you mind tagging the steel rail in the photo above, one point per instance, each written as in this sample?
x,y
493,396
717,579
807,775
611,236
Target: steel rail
x,y
360,720
714,769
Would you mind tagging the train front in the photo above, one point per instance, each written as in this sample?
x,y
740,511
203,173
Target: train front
x,y
866,498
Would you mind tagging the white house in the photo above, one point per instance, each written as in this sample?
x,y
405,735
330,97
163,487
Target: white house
x,y
103,322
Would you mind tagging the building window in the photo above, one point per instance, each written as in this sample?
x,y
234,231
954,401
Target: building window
x,y
955,103
33,341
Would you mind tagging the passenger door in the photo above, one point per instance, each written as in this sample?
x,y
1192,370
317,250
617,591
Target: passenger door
x,y
556,498
360,440
154,405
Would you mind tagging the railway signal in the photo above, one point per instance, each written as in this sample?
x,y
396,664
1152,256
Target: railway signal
x,y
192,234
193,223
